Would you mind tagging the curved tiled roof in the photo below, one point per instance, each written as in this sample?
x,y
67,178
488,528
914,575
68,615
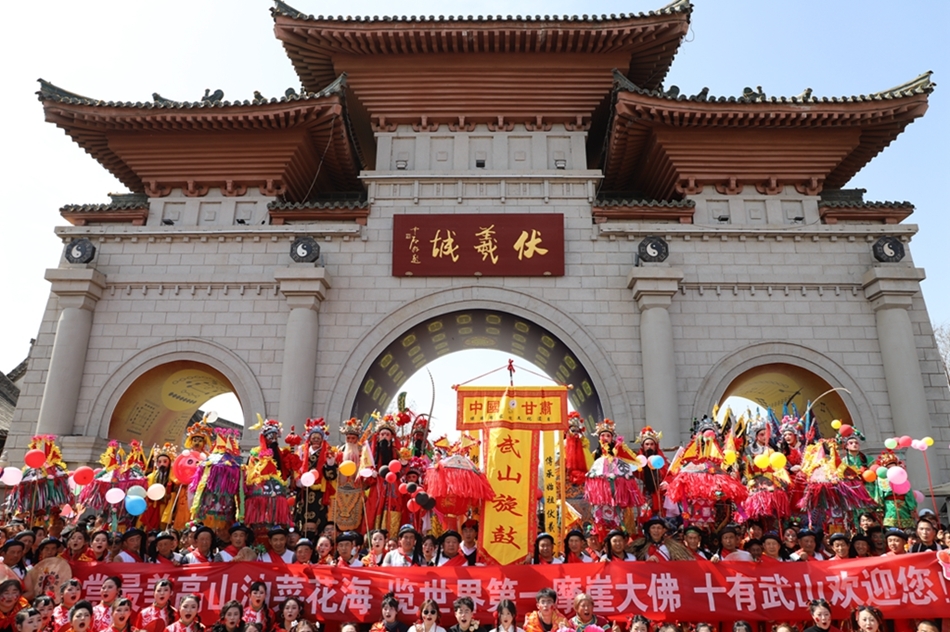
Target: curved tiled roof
x,y
921,84
666,144
51,92
678,6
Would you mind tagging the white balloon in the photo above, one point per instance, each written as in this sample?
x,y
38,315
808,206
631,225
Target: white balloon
x,y
156,491
136,490
115,496
308,479
11,476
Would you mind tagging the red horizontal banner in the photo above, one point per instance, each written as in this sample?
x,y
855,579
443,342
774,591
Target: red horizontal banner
x,y
904,587
478,245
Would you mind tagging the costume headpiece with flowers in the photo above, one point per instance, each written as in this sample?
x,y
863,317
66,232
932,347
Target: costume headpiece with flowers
x,y
607,425
386,422
352,426
318,425
166,449
42,489
887,458
200,429
649,433
791,424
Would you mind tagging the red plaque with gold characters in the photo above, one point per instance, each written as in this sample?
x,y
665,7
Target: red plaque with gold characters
x,y
478,245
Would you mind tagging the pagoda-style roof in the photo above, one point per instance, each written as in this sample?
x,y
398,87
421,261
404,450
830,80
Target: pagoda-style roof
x,y
848,205
295,145
428,71
124,208
665,145
635,208
356,210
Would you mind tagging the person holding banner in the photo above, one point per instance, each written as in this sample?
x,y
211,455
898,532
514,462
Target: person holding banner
x,y
448,553
409,551
575,546
544,550
203,551
617,548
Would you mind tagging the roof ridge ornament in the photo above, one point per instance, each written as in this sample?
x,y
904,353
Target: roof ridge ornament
x,y
622,83
286,9
213,97
49,90
162,100
678,5
919,83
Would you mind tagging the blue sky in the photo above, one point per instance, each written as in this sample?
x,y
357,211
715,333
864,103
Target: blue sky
x,y
126,50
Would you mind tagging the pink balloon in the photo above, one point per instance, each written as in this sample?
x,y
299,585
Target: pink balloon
x,y
918,496
901,488
896,476
904,441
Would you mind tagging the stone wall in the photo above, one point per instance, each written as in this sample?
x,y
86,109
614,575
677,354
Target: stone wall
x,y
784,289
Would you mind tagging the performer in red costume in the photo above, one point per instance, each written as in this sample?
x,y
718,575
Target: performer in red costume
x,y
652,478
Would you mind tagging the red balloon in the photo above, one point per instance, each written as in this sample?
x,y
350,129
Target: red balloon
x,y
35,458
184,467
412,505
905,441
403,488
83,475
846,431
395,466
391,477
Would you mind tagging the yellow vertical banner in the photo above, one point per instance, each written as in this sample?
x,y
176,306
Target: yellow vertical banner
x,y
509,522
511,421
549,487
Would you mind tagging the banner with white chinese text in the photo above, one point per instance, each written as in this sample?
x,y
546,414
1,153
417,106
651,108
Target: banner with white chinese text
x,y
903,587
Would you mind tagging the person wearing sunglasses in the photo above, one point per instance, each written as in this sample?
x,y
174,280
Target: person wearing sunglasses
x,y
428,620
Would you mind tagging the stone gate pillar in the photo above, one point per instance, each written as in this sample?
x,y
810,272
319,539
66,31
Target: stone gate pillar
x,y
890,291
77,291
305,287
653,289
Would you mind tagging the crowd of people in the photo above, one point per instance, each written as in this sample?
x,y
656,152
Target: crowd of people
x,y
757,490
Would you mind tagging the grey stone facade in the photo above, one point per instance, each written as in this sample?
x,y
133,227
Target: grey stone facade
x,y
755,279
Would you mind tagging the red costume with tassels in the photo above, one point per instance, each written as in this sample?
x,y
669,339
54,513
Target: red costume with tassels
x,y
317,456
271,471
384,504
649,441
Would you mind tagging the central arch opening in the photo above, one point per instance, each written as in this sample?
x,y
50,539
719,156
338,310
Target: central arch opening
x,y
463,330
778,385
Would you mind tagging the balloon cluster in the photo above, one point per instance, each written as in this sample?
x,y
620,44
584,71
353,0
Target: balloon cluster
x,y
844,429
907,442
654,461
776,461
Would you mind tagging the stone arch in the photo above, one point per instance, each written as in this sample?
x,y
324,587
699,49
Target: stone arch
x,y
723,373
221,359
586,349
